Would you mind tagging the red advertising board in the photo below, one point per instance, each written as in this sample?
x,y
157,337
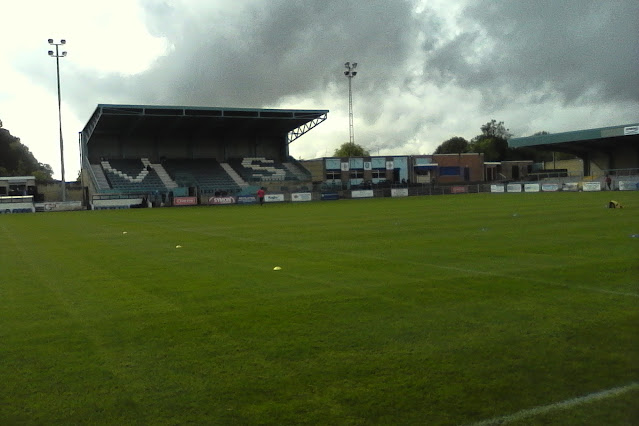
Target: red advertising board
x,y
185,201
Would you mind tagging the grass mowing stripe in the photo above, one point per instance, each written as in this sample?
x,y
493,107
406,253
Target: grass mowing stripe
x,y
416,263
570,403
58,351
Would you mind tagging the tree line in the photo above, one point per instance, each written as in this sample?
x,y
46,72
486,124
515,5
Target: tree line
x,y
17,160
493,143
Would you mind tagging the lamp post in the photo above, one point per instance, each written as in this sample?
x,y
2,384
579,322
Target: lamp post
x,y
350,73
57,55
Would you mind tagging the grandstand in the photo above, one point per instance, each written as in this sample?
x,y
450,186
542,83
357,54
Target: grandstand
x,y
202,155
606,150
137,150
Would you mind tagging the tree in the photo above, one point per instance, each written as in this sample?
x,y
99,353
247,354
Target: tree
x,y
17,160
493,129
493,141
41,176
454,145
493,148
349,149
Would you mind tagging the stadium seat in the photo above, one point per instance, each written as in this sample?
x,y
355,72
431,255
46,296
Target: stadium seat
x,y
207,174
128,175
261,169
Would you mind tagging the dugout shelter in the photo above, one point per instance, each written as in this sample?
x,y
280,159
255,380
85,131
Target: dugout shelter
x,y
167,151
613,150
17,194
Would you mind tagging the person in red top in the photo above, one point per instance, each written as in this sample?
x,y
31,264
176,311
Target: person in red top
x,y
260,195
608,182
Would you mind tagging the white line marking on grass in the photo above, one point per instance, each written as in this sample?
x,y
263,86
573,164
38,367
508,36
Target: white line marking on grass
x,y
569,403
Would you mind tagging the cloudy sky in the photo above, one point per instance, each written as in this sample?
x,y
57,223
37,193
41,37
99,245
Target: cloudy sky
x,y
428,69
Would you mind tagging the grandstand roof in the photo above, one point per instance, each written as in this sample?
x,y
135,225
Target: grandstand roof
x,y
126,120
581,140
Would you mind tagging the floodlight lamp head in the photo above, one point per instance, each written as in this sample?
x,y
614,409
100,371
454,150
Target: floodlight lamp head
x,y
64,54
354,73
50,41
346,73
354,65
63,41
50,52
347,64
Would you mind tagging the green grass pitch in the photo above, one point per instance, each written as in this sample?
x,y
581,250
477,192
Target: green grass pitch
x,y
424,310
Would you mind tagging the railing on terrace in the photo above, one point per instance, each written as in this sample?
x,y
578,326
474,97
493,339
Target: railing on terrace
x,y
8,199
94,179
621,172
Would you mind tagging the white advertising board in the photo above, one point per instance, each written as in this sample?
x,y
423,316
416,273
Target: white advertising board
x,y
59,206
631,130
628,185
549,187
399,192
531,187
570,186
362,193
513,187
17,208
496,188
274,198
221,200
117,203
591,186
301,196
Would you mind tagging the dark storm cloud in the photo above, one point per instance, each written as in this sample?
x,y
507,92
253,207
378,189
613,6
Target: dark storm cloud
x,y
265,51
583,49
255,53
